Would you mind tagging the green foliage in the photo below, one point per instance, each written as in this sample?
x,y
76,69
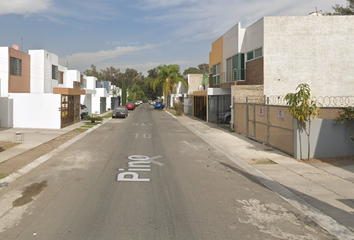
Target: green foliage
x,y
93,118
168,76
204,67
340,10
303,108
192,70
124,93
346,117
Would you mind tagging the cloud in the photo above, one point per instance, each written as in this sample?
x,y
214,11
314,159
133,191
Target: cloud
x,y
82,60
24,7
202,20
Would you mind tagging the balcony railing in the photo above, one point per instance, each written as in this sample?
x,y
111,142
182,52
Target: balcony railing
x,y
234,75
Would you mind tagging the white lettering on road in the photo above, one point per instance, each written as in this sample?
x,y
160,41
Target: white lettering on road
x,y
139,163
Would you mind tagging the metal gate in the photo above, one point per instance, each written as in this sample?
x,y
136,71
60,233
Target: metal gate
x,y
102,105
219,110
271,124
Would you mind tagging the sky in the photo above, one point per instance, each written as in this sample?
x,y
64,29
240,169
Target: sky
x,y
138,34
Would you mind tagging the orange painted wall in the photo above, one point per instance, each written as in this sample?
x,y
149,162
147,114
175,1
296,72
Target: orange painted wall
x,y
20,84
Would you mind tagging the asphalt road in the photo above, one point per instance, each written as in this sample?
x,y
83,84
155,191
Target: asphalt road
x,y
141,178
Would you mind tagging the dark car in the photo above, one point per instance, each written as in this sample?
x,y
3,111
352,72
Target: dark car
x,y
158,105
120,112
130,105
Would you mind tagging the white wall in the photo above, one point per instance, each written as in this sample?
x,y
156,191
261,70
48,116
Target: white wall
x,y
63,69
4,71
309,49
232,42
6,112
253,37
91,82
72,76
96,99
36,110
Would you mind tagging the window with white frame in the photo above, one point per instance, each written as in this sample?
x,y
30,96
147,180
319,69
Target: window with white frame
x,y
15,66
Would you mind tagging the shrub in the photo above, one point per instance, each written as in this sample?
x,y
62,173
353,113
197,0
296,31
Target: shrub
x,y
93,118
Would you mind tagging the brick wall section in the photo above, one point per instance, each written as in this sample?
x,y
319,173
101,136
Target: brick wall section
x,y
254,72
20,84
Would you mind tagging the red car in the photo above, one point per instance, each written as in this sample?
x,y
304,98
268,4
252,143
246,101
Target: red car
x,y
130,105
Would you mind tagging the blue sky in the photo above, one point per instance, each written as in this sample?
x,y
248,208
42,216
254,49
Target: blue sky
x,y
139,34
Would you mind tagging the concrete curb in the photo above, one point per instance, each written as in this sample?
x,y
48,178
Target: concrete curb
x,y
331,225
29,167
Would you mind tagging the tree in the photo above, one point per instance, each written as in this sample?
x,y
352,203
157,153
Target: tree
x,y
124,93
346,117
192,70
204,67
93,72
303,109
168,76
340,10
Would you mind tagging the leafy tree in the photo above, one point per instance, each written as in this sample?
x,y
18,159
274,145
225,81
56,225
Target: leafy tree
x,y
124,93
204,67
111,74
340,10
168,76
192,70
346,117
303,109
93,72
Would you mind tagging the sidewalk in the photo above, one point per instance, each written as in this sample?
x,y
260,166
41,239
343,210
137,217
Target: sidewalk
x,y
324,193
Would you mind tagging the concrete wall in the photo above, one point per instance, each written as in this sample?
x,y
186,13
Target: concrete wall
x,y
36,110
6,113
96,99
72,76
4,71
318,50
194,80
240,92
327,140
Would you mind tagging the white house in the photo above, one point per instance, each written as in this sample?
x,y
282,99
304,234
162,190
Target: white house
x,y
34,91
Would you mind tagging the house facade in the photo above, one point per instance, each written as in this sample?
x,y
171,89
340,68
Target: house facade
x,y
275,54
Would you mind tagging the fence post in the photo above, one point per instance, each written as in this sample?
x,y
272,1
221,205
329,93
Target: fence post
x,y
254,121
268,122
246,116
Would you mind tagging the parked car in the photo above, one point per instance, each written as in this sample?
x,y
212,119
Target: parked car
x,y
150,102
226,117
136,104
83,111
130,105
120,112
158,105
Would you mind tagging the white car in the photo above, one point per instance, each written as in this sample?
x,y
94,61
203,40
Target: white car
x,y
83,111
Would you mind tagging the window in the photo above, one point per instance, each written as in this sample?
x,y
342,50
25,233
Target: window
x,y
255,54
61,77
216,74
54,72
15,66
249,55
258,53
